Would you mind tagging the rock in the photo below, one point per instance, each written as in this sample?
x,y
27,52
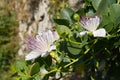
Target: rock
x,y
33,18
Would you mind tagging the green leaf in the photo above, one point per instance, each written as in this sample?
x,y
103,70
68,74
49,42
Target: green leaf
x,y
61,29
74,49
117,43
110,2
67,14
62,22
23,77
37,77
62,56
66,59
105,20
114,11
102,7
117,22
48,61
91,12
35,68
84,38
109,27
20,65
46,77
96,3
107,23
81,12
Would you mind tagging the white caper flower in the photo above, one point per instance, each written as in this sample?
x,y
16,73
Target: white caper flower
x,y
42,45
91,24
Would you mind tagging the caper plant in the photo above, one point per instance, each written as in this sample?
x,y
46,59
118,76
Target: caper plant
x,y
84,45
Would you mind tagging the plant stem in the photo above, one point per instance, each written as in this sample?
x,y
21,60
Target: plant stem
x,y
71,63
55,70
73,41
59,69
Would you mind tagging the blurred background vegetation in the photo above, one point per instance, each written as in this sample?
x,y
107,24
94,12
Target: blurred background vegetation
x,y
8,37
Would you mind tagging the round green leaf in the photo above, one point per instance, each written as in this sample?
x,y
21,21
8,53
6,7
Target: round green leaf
x,y
67,13
73,48
35,68
96,3
114,11
63,30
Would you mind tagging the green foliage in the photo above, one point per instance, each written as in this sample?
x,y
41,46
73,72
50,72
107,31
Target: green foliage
x,y
92,58
96,3
114,9
34,69
67,14
63,30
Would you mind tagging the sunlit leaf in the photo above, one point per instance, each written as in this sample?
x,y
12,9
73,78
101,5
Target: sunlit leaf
x,y
96,3
109,27
114,11
102,7
67,14
63,30
66,59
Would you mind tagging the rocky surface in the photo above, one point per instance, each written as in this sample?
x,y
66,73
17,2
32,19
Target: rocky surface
x,y
33,18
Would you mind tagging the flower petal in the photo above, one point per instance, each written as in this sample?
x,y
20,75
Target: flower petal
x,y
83,33
49,37
53,47
30,43
99,33
33,55
42,40
55,35
44,54
42,44
90,23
